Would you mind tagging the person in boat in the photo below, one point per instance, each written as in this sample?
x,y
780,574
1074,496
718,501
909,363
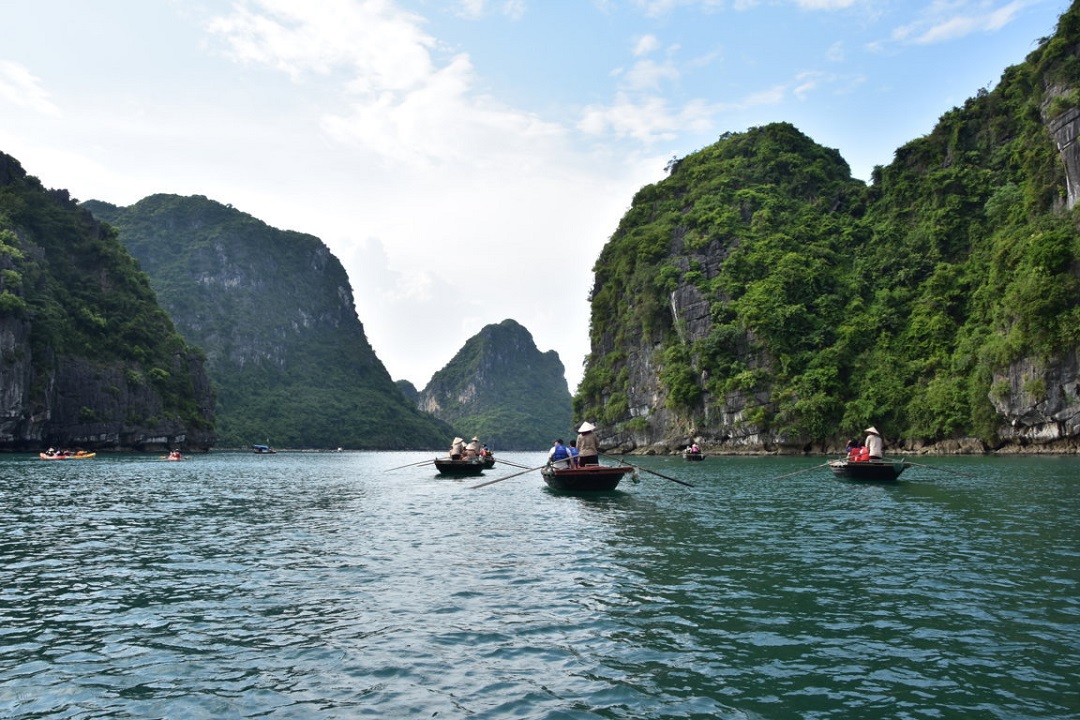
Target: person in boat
x,y
852,448
174,455
874,444
559,455
574,453
485,452
51,452
472,450
694,449
457,449
587,444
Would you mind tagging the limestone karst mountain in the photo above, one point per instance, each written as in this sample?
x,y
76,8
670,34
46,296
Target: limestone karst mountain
x,y
502,389
274,312
88,358
760,298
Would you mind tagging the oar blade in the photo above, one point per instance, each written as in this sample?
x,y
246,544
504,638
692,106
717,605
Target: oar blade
x,y
506,477
799,472
418,464
639,467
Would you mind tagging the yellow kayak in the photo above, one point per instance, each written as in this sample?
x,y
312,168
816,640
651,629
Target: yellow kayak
x,y
67,456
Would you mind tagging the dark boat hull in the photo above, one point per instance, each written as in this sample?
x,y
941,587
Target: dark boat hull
x,y
463,468
693,456
589,478
875,470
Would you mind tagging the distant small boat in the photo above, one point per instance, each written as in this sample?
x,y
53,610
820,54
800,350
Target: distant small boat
x,y
875,470
263,450
587,478
688,455
80,455
464,467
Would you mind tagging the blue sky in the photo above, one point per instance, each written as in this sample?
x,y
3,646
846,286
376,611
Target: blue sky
x,y
467,159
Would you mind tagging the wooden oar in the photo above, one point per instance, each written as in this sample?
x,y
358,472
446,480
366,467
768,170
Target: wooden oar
x,y
954,472
425,462
666,477
511,464
507,477
801,471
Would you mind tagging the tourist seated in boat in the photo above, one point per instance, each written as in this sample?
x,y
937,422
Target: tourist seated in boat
x,y
874,444
852,449
587,444
574,453
559,455
693,449
174,455
472,450
457,449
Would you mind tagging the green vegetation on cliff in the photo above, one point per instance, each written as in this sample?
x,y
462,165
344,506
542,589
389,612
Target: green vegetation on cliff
x,y
828,305
500,388
88,306
274,312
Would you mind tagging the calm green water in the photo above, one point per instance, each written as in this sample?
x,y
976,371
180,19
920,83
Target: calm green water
x,y
322,586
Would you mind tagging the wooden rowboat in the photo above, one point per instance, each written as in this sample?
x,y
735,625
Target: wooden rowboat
x,y
587,478
874,470
464,468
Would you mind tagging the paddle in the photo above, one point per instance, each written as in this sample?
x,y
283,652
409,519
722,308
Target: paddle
x,y
507,477
801,471
511,464
666,477
425,462
931,467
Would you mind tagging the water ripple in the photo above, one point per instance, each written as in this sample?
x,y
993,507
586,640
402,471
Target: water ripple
x,y
321,586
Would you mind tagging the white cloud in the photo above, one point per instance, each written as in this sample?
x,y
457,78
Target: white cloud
x,y
825,4
649,75
401,105
647,119
20,87
645,45
381,46
949,21
475,9
806,83
459,196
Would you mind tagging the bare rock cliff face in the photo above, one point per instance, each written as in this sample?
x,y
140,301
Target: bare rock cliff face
x,y
1042,404
723,424
86,405
1065,129
91,403
20,421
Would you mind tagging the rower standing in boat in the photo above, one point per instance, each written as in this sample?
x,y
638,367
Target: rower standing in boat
x,y
874,444
587,445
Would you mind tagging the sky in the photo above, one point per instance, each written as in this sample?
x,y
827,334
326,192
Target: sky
x,y
467,160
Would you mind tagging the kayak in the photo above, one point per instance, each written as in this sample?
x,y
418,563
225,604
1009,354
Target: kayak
x,y
61,456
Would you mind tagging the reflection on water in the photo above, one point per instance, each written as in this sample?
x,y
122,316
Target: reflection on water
x,y
304,585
